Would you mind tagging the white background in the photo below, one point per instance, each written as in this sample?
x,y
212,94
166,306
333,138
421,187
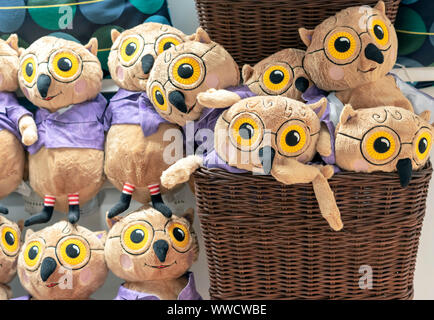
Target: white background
x,y
184,17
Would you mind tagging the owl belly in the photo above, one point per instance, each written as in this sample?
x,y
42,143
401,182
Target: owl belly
x,y
12,160
59,172
133,158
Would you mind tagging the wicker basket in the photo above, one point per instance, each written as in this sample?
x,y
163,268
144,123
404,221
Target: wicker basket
x,y
254,29
265,240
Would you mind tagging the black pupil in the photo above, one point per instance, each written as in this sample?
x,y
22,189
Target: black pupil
x,y
168,45
29,69
342,44
159,97
378,31
292,138
381,145
9,237
276,76
33,252
423,145
246,131
137,236
130,49
72,251
64,64
178,234
185,71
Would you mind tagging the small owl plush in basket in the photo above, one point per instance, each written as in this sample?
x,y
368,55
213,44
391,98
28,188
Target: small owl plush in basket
x,y
136,132
17,126
384,139
10,244
62,262
153,253
63,79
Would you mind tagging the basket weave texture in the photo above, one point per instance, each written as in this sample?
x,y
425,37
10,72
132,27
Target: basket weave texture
x,y
254,29
265,240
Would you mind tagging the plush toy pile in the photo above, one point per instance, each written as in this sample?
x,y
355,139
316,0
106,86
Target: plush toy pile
x,y
299,116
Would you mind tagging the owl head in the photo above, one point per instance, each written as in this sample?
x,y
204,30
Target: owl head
x,y
146,245
257,132
10,244
9,63
383,139
182,72
355,46
63,261
55,73
134,51
279,74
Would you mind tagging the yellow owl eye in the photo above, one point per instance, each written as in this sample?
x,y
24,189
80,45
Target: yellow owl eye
x,y
246,131
73,252
380,32
32,253
28,69
292,138
187,72
276,78
136,238
179,235
65,65
422,145
381,145
159,99
342,45
130,48
10,240
167,42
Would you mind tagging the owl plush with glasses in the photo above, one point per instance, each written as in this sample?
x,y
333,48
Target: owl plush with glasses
x,y
136,132
63,79
153,253
62,262
10,244
383,139
17,126
351,54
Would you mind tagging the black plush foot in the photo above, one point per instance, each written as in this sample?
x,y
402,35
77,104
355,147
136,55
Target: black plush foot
x,y
121,206
158,204
43,217
3,209
74,213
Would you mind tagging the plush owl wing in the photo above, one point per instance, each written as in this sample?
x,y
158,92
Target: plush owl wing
x,y
213,98
180,171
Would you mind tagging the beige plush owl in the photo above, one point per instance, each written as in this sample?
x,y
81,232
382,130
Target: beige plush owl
x,y
383,139
63,79
62,262
17,126
10,245
153,254
137,135
351,54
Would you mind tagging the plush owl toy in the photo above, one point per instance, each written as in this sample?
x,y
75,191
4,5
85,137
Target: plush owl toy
x,y
16,123
350,54
383,139
153,253
270,135
136,132
63,79
62,262
10,244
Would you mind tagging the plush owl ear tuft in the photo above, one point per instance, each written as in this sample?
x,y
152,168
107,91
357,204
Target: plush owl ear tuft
x,y
101,235
114,34
12,41
319,107
200,36
111,221
92,46
425,115
189,215
29,232
306,36
380,6
247,72
20,224
347,113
